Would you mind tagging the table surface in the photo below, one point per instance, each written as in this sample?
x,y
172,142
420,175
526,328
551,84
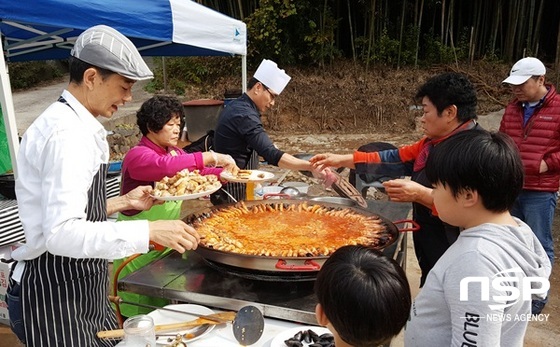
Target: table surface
x,y
187,278
222,335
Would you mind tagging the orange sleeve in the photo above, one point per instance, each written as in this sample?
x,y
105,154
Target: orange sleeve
x,y
410,152
366,157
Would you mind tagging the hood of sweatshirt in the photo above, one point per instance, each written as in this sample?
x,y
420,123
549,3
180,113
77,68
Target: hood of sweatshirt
x,y
520,245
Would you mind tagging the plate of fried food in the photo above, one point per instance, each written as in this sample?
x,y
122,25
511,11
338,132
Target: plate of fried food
x,y
185,185
244,176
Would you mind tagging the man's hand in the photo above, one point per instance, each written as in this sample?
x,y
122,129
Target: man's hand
x,y
324,160
174,234
404,190
139,198
543,167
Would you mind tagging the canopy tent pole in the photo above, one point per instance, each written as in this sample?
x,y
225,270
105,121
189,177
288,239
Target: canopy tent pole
x,y
8,112
244,73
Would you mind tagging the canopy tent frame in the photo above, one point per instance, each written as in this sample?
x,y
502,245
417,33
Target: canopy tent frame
x,y
165,28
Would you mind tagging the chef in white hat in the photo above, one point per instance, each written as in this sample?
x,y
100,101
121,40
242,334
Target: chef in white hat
x,y
532,120
240,132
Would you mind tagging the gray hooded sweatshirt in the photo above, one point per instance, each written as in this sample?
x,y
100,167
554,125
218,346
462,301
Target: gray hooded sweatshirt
x,y
479,292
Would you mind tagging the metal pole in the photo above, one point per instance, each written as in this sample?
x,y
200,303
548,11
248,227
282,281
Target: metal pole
x,y
244,73
164,74
8,112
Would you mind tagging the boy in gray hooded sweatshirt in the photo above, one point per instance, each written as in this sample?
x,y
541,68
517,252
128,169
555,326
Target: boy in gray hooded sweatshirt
x,y
479,292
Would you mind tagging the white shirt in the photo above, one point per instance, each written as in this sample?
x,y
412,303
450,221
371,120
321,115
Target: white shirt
x,y
60,153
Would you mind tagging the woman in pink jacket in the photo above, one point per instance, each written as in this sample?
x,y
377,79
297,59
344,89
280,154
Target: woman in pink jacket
x,y
155,157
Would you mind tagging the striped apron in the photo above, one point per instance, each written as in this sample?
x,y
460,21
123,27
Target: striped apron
x,y
64,300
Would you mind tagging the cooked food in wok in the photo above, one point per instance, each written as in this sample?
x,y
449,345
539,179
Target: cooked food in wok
x,y
288,230
185,182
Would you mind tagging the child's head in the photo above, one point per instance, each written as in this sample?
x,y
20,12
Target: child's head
x,y
478,161
363,294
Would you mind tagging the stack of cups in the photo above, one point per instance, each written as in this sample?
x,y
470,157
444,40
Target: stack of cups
x,y
139,331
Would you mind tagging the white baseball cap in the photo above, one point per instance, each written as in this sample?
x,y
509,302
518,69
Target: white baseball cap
x,y
105,47
525,69
271,76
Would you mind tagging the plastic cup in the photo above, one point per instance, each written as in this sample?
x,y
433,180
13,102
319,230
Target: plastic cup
x,y
139,331
250,192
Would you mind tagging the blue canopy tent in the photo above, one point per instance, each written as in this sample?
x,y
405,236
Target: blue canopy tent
x,y
47,29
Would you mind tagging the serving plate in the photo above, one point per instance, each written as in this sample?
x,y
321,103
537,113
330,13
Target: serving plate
x,y
188,196
279,339
256,176
166,317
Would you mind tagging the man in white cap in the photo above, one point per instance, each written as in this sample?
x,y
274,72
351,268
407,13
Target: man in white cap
x,y
59,286
532,119
240,132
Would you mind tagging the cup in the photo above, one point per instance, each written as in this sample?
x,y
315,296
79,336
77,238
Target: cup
x,y
250,191
139,331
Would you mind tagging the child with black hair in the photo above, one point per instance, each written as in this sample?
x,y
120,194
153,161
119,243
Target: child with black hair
x,y
476,294
364,297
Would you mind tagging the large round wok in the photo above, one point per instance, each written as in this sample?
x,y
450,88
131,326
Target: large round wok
x,y
283,264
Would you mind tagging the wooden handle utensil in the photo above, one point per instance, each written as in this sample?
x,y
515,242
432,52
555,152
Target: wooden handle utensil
x,y
223,316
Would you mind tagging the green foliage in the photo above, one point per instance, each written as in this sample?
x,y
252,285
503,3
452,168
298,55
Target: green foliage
x,y
184,71
292,32
265,30
320,45
434,52
28,74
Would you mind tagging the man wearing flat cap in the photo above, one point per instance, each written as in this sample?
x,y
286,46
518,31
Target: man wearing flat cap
x,y
240,132
532,119
58,291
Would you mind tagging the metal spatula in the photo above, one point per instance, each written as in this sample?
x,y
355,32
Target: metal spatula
x,y
248,325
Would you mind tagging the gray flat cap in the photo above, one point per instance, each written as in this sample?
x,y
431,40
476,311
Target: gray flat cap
x,y
104,47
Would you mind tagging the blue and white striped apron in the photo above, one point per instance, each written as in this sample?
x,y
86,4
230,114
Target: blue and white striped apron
x,y
64,300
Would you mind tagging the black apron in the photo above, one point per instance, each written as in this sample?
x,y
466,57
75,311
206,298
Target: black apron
x,y
64,300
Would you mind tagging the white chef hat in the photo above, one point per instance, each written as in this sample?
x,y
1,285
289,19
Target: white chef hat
x,y
271,76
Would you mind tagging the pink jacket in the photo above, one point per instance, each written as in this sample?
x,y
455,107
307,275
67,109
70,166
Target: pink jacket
x,y
148,162
538,140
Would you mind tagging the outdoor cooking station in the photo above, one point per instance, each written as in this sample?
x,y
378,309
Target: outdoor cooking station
x,y
190,278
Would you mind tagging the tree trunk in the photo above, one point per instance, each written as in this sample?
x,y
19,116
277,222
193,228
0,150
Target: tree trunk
x,y
418,34
522,30
529,42
401,34
442,23
371,33
538,27
240,5
495,26
350,25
